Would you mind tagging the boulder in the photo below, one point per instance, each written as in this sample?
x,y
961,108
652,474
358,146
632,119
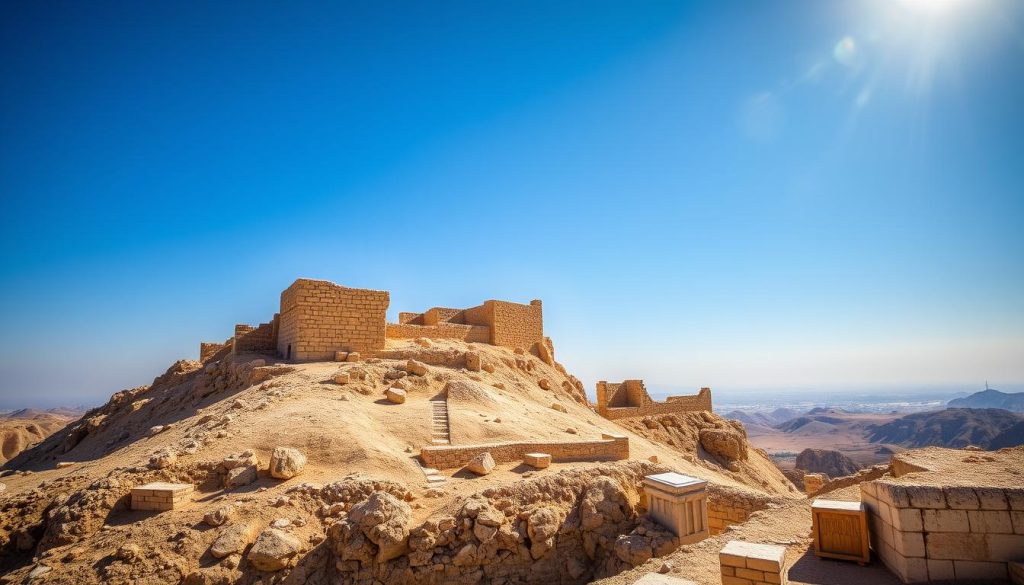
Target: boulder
x,y
341,378
340,356
544,383
416,368
247,457
353,356
395,395
162,459
473,362
286,462
273,550
633,549
559,407
724,443
220,515
240,476
232,539
482,464
382,519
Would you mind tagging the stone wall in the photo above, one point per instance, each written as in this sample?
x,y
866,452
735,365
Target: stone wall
x,y
211,350
609,448
728,506
506,324
468,333
930,533
261,339
630,399
319,318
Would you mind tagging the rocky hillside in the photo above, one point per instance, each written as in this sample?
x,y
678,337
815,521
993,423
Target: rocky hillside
x,y
991,399
831,463
953,427
361,508
21,429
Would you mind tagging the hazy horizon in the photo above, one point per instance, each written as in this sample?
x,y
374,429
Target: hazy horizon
x,y
751,195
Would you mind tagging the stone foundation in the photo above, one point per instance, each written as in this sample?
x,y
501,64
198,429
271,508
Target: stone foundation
x,y
609,448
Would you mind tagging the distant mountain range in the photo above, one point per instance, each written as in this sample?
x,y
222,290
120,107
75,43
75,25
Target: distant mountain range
x,y
988,428
763,419
991,399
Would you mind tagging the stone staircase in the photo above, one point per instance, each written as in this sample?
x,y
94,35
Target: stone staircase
x,y
440,432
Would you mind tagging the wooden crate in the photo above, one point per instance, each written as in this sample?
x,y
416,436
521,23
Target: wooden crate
x,y
840,530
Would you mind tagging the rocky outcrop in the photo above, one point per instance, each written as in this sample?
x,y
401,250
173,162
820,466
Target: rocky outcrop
x,y
273,550
831,463
728,444
569,528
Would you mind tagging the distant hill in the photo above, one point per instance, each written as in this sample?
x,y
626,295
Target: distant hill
x,y
991,399
1011,437
831,463
763,419
953,427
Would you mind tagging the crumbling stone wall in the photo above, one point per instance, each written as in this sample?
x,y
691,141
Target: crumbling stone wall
x,y
609,448
505,324
467,333
261,339
319,318
630,399
945,533
728,506
211,350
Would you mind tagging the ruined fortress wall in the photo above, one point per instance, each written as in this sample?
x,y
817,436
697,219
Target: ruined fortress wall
x,y
438,315
468,333
930,533
609,448
613,394
319,318
211,350
516,325
261,339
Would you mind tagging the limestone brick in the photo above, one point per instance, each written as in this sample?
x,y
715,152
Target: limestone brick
x,y
946,521
610,448
160,496
978,570
961,498
990,521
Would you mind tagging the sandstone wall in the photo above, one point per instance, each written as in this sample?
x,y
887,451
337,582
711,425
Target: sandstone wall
x,y
516,325
728,506
695,403
211,350
609,448
468,333
261,339
930,533
319,318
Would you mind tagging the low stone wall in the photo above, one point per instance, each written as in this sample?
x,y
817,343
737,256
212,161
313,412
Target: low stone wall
x,y
695,403
728,506
930,533
262,339
443,330
609,448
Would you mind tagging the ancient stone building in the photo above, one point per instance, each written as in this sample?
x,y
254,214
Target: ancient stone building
x,y
318,318
630,398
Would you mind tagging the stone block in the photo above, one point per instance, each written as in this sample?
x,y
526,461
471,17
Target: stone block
x,y
907,519
909,544
946,521
961,498
956,546
769,558
395,395
1015,498
893,494
340,356
991,498
990,521
939,570
925,497
1017,519
1005,547
159,496
978,570
537,460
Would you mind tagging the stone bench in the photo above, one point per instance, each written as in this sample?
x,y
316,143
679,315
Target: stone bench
x,y
160,496
750,563
538,460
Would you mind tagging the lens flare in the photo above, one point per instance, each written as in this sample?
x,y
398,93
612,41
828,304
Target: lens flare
x,y
845,51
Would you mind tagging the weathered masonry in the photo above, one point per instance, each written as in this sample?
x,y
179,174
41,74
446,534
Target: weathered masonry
x,y
630,398
318,318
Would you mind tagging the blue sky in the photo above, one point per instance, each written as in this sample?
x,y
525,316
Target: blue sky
x,y
743,195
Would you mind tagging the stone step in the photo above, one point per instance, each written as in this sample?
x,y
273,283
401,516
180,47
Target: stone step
x,y
436,479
